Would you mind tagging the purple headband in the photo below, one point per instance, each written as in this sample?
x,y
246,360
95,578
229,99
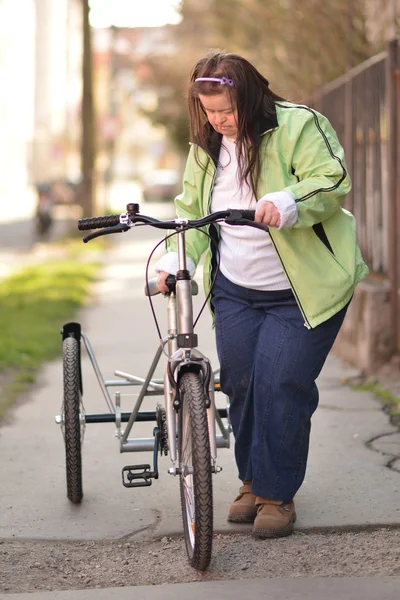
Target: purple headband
x,y
221,80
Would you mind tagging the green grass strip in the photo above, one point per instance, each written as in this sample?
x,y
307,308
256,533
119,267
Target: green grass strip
x,y
389,401
34,304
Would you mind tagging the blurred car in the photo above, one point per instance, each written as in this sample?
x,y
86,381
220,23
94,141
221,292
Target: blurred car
x,y
162,185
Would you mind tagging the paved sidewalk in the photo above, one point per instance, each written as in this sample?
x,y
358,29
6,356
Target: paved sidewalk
x,y
348,483
353,477
21,246
328,588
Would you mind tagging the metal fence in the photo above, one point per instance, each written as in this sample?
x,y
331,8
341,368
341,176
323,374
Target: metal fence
x,y
357,107
364,108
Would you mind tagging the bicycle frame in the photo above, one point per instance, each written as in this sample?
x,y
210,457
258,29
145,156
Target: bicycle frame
x,y
186,425
182,355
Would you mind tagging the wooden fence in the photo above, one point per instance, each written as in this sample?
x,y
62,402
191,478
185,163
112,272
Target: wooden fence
x,y
364,108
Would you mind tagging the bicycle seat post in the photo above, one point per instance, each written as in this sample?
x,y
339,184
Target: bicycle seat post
x,y
172,326
186,337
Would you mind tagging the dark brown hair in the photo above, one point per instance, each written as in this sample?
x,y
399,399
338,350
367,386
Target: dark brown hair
x,y
254,102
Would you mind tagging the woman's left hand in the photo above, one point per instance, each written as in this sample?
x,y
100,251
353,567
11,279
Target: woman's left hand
x,y
268,214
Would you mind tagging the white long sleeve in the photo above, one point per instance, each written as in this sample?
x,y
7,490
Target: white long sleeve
x,y
169,264
286,205
248,256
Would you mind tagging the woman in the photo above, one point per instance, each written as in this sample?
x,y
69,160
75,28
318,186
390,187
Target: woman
x,y
279,299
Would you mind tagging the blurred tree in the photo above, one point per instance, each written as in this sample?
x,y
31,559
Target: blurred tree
x,y
299,45
168,74
88,119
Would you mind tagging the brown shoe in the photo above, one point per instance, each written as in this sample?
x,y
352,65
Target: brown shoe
x,y
274,518
243,509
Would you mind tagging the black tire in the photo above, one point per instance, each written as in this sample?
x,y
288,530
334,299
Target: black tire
x,y
195,488
72,425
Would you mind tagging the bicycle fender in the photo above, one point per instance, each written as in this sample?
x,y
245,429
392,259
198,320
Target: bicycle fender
x,y
200,366
74,330
71,329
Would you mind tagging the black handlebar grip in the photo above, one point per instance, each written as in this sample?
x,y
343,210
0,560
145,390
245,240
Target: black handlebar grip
x,y
98,222
248,214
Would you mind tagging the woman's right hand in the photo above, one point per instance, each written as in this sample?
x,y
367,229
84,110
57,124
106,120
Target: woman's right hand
x,y
161,282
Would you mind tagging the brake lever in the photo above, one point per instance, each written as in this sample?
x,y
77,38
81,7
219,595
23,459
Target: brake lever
x,y
171,283
235,218
120,228
255,224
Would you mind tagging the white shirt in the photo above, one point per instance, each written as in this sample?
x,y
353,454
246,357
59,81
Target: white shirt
x,y
247,255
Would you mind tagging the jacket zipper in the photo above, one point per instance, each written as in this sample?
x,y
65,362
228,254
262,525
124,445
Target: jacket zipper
x,y
306,323
209,212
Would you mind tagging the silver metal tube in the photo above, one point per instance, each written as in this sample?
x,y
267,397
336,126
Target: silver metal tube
x,y
141,395
211,413
133,378
118,414
185,306
181,251
183,291
99,375
138,445
117,383
147,445
222,442
224,430
172,324
171,417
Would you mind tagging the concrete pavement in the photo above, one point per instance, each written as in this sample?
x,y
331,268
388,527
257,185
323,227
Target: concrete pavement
x,y
348,483
329,588
20,245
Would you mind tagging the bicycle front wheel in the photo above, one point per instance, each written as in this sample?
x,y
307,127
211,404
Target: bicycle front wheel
x,y
195,476
72,421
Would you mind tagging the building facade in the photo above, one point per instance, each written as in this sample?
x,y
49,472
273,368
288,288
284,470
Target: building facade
x,y
40,74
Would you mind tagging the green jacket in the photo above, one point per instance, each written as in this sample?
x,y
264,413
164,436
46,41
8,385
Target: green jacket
x,y
319,253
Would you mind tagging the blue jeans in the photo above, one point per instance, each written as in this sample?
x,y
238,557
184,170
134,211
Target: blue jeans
x,y
269,363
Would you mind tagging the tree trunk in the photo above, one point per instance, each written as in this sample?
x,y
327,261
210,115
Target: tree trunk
x,y
87,115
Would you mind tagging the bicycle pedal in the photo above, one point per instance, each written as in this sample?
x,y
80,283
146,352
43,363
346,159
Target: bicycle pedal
x,y
137,472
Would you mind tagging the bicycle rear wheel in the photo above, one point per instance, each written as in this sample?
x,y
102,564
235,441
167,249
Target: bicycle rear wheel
x,y
72,403
195,477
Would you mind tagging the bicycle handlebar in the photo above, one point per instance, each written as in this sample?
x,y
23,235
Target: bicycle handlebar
x,y
247,214
124,221
98,222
